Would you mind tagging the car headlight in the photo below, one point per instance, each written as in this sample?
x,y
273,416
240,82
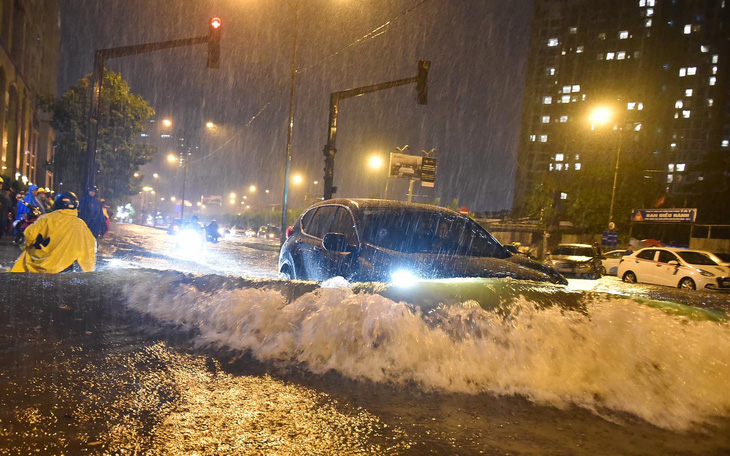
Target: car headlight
x,y
706,273
403,278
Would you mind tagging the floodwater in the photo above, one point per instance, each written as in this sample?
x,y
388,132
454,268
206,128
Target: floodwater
x,y
136,361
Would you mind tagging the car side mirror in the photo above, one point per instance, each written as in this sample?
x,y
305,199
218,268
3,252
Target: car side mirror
x,y
673,262
335,242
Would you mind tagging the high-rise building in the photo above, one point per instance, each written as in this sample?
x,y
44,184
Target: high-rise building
x,y
29,49
660,66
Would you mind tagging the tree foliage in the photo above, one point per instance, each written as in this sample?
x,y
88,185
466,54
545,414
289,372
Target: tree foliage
x,y
588,196
122,117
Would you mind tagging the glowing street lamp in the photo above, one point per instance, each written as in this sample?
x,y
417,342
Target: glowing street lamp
x,y
232,196
600,115
209,125
297,179
172,158
155,175
167,122
375,162
252,188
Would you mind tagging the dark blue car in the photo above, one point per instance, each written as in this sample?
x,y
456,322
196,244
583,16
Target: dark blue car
x,y
371,240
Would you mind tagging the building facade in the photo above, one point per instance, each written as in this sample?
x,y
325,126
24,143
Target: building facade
x,y
29,50
659,67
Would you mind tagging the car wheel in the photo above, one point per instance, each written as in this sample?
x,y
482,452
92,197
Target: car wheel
x,y
286,272
687,284
629,277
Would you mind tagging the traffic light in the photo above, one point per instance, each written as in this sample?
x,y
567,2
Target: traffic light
x,y
422,82
214,43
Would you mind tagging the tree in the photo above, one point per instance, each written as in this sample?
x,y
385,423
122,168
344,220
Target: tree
x,y
122,117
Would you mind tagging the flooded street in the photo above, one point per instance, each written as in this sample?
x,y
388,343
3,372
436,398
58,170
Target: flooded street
x,y
129,360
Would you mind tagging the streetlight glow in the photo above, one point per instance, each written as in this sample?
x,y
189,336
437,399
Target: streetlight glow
x,y
297,179
375,161
600,115
136,174
155,175
167,122
252,188
232,195
172,158
209,125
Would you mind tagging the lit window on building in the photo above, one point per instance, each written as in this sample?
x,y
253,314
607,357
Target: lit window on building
x,y
623,34
601,36
551,167
725,143
543,138
637,54
705,48
563,119
567,166
714,58
670,167
575,88
647,23
583,97
563,196
553,42
686,114
144,135
610,55
550,71
563,52
573,30
691,71
696,28
631,105
687,92
714,70
637,127
640,106
680,167
566,89
533,138
577,157
599,56
642,3
565,99
679,104
673,145
620,55
713,80
649,12
682,72
558,167
577,166
687,29
547,99
164,136
545,119
710,102
558,157
670,178
579,49
650,2
676,115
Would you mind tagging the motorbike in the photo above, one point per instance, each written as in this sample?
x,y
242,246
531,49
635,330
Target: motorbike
x,y
24,222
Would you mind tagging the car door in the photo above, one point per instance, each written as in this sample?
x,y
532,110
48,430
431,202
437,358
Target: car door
x,y
340,263
643,266
667,274
310,244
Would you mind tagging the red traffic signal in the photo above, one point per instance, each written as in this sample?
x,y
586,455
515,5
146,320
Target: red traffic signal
x,y
214,43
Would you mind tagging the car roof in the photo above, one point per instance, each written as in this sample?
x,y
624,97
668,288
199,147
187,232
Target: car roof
x,y
357,204
575,245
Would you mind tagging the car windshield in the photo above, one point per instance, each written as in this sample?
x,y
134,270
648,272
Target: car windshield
x,y
572,250
723,256
696,258
419,231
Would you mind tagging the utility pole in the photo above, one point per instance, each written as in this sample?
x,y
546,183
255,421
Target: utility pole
x,y
330,148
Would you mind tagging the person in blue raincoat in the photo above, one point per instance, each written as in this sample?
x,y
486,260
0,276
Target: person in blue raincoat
x,y
91,212
32,199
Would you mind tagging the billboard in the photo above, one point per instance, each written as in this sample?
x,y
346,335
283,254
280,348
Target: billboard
x,y
686,215
211,200
413,167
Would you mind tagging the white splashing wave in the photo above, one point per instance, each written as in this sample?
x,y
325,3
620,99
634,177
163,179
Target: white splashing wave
x,y
621,356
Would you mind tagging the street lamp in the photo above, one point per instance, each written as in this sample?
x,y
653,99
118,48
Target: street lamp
x,y
297,179
252,188
601,116
167,122
172,158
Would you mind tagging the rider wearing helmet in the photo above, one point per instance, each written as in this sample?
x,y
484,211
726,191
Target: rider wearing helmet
x,y
58,239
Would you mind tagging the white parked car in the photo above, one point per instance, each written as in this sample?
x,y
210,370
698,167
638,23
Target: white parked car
x,y
611,260
690,269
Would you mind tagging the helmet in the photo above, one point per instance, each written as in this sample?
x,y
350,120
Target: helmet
x,y
93,188
65,200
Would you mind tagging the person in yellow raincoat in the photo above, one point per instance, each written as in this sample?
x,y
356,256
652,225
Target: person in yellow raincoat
x,y
58,239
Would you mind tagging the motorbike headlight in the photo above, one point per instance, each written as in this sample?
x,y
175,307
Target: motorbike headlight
x,y
706,273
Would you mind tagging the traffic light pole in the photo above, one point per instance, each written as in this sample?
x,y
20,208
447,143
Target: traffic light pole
x,y
97,78
330,148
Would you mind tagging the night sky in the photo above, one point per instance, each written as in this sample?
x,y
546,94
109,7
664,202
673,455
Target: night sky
x,y
478,51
